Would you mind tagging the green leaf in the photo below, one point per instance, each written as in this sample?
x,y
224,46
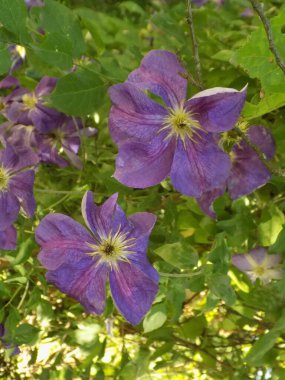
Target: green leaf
x,y
194,327
219,284
270,225
26,334
5,60
279,245
266,342
256,58
13,15
155,318
176,255
79,93
60,21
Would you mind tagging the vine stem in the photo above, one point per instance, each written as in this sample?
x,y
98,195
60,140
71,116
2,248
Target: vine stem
x,y
195,48
266,23
177,275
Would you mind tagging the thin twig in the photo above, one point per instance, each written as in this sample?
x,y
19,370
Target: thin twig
x,y
195,47
266,23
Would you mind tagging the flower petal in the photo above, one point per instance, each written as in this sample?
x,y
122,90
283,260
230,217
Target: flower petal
x,y
143,165
201,167
248,173
262,137
83,281
8,239
56,227
206,200
133,291
133,115
109,217
21,185
160,72
217,109
9,209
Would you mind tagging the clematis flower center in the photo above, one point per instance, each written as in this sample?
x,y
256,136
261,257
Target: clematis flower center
x,y
181,124
112,248
29,101
4,179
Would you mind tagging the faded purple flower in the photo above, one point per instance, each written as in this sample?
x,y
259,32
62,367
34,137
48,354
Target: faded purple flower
x,y
247,12
34,3
177,139
248,172
18,55
25,107
200,3
259,264
7,346
79,262
16,187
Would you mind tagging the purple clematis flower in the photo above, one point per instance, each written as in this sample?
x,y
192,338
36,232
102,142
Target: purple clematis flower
x,y
34,3
259,264
248,172
3,333
79,262
16,187
24,107
176,139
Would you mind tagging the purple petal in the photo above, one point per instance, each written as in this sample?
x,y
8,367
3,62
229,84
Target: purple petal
x,y
133,115
258,254
21,185
273,260
217,109
143,165
49,154
45,119
9,209
160,72
109,217
56,227
142,223
9,158
206,200
45,86
133,291
8,239
262,137
8,82
84,281
73,158
248,173
199,168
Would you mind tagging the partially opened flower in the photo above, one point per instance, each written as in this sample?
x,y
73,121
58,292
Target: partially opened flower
x,y
259,264
79,262
248,172
175,139
16,185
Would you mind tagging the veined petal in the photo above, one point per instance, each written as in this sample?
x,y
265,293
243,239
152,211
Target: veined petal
x,y
143,165
248,172
8,239
160,72
199,167
9,209
133,291
21,185
109,217
56,227
85,281
262,137
217,109
133,115
206,200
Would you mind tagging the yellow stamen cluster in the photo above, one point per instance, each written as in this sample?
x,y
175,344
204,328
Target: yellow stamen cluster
x,y
181,124
112,248
4,179
29,101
